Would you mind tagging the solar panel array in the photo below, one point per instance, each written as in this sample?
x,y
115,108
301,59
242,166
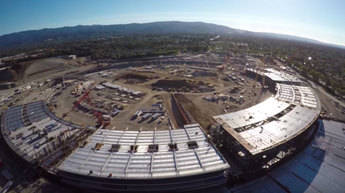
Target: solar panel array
x,y
34,145
35,111
143,164
29,127
296,94
12,119
308,97
193,154
285,92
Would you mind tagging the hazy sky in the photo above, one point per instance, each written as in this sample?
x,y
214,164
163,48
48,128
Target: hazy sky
x,y
323,20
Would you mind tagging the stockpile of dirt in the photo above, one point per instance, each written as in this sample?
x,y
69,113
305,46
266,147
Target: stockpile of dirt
x,y
173,84
134,78
34,69
203,74
44,67
199,115
181,86
7,75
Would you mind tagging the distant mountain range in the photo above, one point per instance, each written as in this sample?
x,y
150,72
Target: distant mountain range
x,y
84,32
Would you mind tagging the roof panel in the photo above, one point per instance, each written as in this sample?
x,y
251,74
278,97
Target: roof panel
x,y
159,164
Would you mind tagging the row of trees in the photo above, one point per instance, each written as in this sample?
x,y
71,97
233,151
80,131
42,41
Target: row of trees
x,y
322,63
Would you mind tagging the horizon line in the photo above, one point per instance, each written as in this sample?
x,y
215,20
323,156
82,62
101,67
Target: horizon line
x,y
276,33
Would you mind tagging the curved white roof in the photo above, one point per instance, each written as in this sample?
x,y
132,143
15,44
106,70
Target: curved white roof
x,y
275,120
143,164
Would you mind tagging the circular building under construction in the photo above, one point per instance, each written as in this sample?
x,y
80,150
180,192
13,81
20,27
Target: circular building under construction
x,y
262,135
173,159
113,160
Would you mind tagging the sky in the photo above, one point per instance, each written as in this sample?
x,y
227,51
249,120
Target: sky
x,y
323,20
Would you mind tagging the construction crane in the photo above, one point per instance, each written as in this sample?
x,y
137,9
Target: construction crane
x,y
100,120
98,115
81,99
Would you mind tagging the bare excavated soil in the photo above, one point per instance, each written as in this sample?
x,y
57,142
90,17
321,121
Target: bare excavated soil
x,y
201,116
173,84
7,75
181,85
45,67
133,78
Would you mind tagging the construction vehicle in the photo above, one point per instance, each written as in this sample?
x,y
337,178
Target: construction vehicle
x,y
81,99
98,115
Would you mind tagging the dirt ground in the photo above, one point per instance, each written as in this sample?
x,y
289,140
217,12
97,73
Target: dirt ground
x,y
202,110
48,68
140,80
64,103
332,109
123,120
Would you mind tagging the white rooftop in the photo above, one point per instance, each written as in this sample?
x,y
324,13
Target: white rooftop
x,y
32,139
278,131
254,114
144,164
279,76
275,120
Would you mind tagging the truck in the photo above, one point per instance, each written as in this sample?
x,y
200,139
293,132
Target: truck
x,y
136,114
155,116
115,112
146,116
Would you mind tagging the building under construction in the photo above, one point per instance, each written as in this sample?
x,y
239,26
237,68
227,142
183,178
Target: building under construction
x,y
179,159
260,136
113,160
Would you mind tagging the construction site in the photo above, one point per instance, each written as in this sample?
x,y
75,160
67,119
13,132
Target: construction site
x,y
162,124
144,98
